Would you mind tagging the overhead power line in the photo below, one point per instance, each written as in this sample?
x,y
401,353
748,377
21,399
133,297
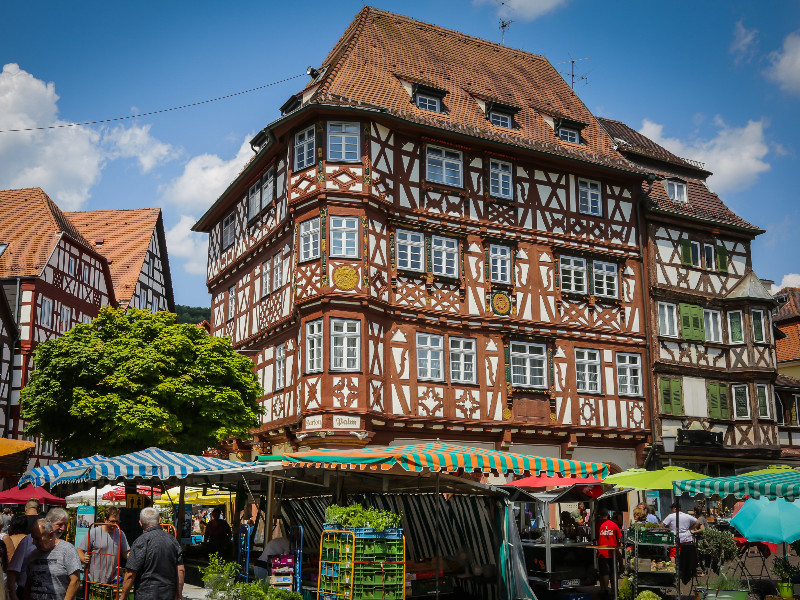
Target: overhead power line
x,y
154,112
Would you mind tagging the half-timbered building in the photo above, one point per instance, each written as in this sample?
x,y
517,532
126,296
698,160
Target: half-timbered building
x,y
436,239
712,345
133,241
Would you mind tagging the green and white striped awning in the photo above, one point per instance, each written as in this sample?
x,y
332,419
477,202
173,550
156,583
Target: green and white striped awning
x,y
769,485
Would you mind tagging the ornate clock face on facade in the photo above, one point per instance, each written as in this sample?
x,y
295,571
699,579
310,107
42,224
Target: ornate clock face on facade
x,y
345,277
501,303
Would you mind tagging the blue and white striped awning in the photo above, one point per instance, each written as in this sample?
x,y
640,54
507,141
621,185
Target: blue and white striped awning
x,y
149,464
46,475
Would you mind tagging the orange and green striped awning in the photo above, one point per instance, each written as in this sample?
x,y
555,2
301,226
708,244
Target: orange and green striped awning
x,y
443,458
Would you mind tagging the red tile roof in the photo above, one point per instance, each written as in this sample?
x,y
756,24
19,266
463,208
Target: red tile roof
x,y
788,348
30,223
125,235
702,202
791,309
786,381
379,50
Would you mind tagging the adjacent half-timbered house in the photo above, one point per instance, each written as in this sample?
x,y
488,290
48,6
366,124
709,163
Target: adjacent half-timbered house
x,y
52,278
436,240
133,241
709,316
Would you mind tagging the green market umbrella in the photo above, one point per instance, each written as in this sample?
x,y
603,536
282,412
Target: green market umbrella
x,y
772,469
642,479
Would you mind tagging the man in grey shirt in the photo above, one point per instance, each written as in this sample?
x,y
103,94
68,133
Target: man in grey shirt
x,y
102,547
155,563
53,567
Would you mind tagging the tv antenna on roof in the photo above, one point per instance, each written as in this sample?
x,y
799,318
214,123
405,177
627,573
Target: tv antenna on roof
x,y
573,76
504,24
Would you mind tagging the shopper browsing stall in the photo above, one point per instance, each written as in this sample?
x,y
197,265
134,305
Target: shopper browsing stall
x,y
608,534
685,524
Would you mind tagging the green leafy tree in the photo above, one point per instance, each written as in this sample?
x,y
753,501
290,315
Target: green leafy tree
x,y
192,314
133,379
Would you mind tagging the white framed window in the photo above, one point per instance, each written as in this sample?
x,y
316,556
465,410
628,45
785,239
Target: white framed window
x,y
629,374
695,254
65,318
667,319
304,148
712,323
500,262
410,247
589,197
528,364
741,401
280,366
344,237
345,345
735,327
443,166
462,360
266,277
501,119
569,135
277,271
71,266
309,239
430,356
444,252
676,190
228,230
268,188
500,179
709,254
231,302
573,274
762,395
87,273
151,266
46,314
605,279
314,346
780,417
344,142
759,336
587,370
254,200
426,102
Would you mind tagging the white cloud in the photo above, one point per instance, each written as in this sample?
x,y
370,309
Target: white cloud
x,y
735,154
68,161
204,178
789,280
784,68
524,10
188,244
744,43
136,142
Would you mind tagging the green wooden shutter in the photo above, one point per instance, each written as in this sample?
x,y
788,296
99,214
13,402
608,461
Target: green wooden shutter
x,y
677,396
713,400
722,259
724,403
793,412
686,252
687,332
763,409
666,396
697,324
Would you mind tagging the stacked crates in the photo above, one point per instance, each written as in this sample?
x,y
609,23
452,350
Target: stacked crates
x,y
361,564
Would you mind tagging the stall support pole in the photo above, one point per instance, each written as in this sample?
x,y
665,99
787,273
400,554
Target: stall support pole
x,y
270,506
179,524
436,558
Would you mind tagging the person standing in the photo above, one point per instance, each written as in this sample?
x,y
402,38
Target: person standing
x,y
53,566
155,562
218,535
6,516
18,567
102,548
684,524
608,534
649,516
32,507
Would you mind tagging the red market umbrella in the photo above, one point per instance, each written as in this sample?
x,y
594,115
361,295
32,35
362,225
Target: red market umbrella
x,y
118,493
540,481
17,495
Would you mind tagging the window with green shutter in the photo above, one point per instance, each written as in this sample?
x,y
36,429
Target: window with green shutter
x,y
718,407
722,259
735,332
763,407
671,396
686,252
692,327
793,410
724,402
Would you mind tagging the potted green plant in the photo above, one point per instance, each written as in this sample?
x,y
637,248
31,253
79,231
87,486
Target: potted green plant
x,y
219,576
785,571
717,547
727,587
625,590
648,595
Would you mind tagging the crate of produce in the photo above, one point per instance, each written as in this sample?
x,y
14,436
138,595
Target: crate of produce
x,y
656,536
280,579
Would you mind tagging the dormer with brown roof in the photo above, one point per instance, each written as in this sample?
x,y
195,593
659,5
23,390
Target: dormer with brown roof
x,y
134,242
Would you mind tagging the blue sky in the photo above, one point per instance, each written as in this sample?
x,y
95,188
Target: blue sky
x,y
718,82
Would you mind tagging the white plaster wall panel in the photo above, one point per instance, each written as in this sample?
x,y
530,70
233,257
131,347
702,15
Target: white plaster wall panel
x,y
564,405
561,376
609,380
611,412
695,403
401,362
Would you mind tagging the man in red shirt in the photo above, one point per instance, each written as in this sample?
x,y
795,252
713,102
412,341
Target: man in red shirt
x,y
608,534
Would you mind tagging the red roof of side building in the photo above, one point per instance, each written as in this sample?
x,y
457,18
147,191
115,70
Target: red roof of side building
x,y
788,348
791,308
31,224
786,381
380,50
125,235
702,203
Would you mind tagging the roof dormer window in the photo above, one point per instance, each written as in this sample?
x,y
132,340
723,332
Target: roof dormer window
x,y
570,135
498,113
431,103
428,97
569,130
676,190
501,119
